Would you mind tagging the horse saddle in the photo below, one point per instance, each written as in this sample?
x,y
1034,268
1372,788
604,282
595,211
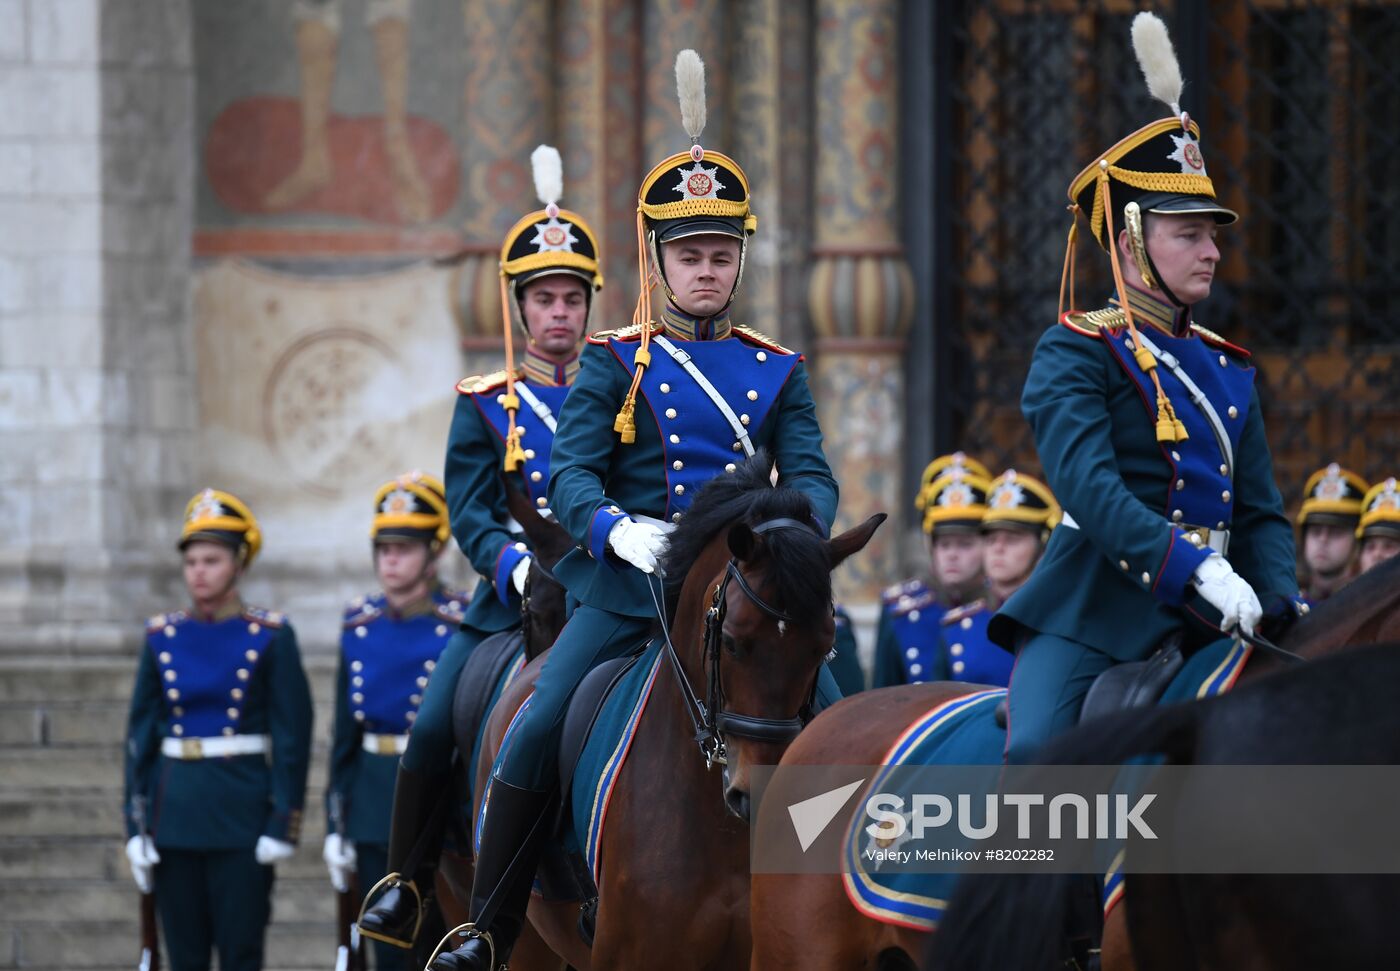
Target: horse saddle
x,y
476,685
1133,684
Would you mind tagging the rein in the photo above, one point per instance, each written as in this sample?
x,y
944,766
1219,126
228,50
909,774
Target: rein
x,y
710,720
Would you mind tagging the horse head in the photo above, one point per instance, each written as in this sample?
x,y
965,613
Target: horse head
x,y
749,577
543,606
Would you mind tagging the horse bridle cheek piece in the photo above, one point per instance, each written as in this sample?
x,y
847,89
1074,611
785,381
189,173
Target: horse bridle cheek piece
x,y
710,719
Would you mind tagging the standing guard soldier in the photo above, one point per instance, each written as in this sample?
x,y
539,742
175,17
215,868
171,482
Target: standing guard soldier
x,y
389,645
1379,530
503,430
952,499
1328,523
1020,515
1149,431
624,475
218,746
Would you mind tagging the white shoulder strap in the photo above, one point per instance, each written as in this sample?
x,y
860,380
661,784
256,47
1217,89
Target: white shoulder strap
x,y
540,409
683,359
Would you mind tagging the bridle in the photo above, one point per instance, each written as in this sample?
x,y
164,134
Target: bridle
x,y
710,719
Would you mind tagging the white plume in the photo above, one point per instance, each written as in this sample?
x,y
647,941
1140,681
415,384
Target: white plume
x,y
690,88
548,169
1157,58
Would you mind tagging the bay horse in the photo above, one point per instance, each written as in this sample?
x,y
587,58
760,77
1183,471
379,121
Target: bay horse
x,y
543,609
673,871
806,921
1338,710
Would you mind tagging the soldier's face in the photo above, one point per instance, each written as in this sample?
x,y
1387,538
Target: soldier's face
x,y
1327,548
1008,555
556,311
211,570
1375,550
1183,250
957,558
701,271
400,566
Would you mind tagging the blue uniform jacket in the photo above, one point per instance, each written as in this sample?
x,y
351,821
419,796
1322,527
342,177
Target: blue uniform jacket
x,y
1115,575
683,441
966,652
386,659
240,675
476,497
906,645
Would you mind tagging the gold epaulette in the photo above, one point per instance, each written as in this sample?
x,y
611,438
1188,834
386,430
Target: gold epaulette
x,y
966,610
757,337
160,621
268,618
360,610
631,332
481,383
1090,322
905,588
1211,337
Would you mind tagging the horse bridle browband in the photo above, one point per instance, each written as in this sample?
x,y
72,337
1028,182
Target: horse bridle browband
x,y
710,719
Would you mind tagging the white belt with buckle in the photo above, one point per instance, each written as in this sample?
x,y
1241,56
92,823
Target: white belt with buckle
x,y
216,747
385,744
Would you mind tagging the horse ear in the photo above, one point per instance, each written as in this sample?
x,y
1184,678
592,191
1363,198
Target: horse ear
x,y
854,540
742,541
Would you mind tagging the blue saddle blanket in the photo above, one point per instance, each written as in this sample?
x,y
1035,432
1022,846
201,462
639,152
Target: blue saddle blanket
x,y
964,731
603,756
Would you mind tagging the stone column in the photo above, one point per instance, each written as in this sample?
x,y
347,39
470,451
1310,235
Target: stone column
x,y
97,397
509,108
860,293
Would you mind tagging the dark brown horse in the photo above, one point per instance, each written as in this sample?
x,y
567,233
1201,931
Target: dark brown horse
x,y
806,921
543,613
673,875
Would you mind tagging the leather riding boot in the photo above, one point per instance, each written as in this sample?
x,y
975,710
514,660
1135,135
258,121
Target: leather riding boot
x,y
509,855
415,843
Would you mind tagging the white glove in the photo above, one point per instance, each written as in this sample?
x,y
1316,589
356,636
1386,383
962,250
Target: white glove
x,y
518,575
339,855
638,543
1227,592
143,856
270,851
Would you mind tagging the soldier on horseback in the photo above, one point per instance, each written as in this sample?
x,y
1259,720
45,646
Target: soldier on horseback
x,y
503,428
1149,430
712,392
390,642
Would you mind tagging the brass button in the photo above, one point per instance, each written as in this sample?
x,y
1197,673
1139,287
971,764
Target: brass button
x,y
670,412
536,476
357,681
357,698
251,654
677,465
254,627
680,490
1225,496
165,657
236,694
233,713
428,665
1176,515
912,653
1233,412
761,357
541,502
955,650
357,665
675,439
1222,360
440,630
665,388
1123,564
675,517
529,453
958,667
1176,456
361,632
1147,578
1181,483
916,669
422,682
913,616
170,675
242,674
177,730
730,467
521,547
738,446
966,623
169,631
753,395
744,419
1224,469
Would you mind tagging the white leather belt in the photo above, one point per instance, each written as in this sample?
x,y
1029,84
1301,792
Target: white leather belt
x,y
1216,539
385,744
660,524
216,747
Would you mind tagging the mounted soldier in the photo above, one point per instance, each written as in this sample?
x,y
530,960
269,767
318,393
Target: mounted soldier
x,y
218,747
952,500
503,431
1327,525
389,645
1149,430
714,391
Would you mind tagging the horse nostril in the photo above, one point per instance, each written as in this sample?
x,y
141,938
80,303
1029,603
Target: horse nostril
x,y
737,800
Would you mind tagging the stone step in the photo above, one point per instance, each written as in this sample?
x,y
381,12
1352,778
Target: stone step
x,y
100,723
64,814
104,858
62,944
88,767
306,900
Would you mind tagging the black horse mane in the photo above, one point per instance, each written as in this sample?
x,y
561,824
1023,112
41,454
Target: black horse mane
x,y
1355,597
799,565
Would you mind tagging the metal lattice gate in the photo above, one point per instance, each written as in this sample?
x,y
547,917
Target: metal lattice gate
x,y
1300,110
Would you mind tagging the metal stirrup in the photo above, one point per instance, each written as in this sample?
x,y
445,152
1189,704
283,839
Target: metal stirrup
x,y
469,931
393,880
